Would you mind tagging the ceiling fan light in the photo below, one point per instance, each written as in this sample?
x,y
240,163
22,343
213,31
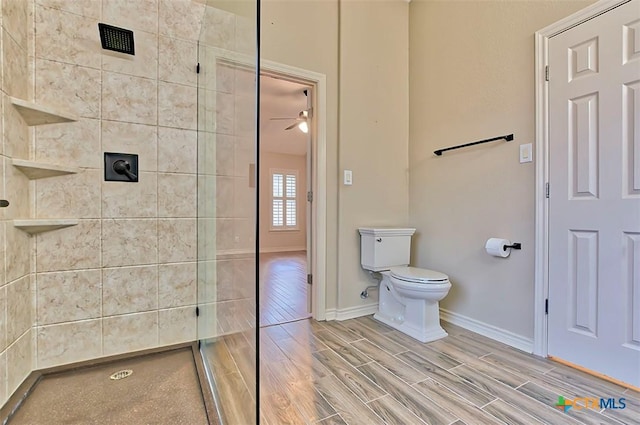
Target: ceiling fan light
x,y
303,127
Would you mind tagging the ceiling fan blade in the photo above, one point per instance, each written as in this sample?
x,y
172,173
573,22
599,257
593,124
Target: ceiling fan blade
x,y
284,118
294,125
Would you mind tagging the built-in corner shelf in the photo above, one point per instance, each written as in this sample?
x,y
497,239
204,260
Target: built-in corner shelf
x,y
37,170
33,226
35,114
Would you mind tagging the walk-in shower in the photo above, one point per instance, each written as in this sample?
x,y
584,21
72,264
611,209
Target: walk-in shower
x,y
128,201
227,138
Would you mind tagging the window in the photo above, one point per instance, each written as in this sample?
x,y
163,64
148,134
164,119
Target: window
x,y
284,202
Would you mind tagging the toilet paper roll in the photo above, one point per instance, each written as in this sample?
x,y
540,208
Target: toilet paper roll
x,y
495,247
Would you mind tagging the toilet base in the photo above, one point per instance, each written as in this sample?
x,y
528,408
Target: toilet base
x,y
417,317
428,334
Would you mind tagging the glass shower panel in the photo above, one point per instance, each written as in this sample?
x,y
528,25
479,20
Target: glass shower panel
x,y
227,129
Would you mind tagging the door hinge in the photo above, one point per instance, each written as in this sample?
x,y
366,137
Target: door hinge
x,y
310,196
546,306
198,68
197,311
546,190
546,73
310,279
199,344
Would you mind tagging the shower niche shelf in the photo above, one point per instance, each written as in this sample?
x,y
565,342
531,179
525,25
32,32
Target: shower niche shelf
x,y
37,170
35,114
33,226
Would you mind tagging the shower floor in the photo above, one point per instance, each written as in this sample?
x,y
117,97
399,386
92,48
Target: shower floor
x,y
163,389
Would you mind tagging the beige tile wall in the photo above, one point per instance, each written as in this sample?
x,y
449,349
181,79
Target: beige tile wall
x,y
225,152
124,279
17,313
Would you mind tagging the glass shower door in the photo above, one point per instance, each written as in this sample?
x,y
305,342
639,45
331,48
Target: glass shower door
x,y
227,134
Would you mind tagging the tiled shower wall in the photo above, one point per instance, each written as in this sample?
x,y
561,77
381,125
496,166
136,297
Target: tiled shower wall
x,y
124,279
226,152
16,247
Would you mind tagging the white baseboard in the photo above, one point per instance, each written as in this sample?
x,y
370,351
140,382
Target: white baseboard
x,y
283,249
490,331
351,312
330,314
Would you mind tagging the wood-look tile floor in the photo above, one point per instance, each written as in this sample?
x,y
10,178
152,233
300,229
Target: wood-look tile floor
x,y
283,287
360,371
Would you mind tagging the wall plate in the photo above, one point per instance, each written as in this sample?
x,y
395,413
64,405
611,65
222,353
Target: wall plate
x,y
526,153
110,175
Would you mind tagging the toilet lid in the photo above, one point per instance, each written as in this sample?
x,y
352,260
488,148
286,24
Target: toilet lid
x,y
416,275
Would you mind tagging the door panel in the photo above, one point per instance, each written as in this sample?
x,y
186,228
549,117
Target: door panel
x,y
633,289
583,282
594,205
631,40
583,136
631,137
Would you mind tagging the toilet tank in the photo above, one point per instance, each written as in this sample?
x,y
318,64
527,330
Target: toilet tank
x,y
383,248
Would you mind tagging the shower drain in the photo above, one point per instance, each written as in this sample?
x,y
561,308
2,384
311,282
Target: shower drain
x,y
121,374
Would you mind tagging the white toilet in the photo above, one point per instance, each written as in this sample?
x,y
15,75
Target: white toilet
x,y
409,296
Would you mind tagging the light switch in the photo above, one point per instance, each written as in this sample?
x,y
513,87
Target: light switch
x,y
526,153
348,178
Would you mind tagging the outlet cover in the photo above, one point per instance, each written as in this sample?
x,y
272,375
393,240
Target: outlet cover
x,y
526,153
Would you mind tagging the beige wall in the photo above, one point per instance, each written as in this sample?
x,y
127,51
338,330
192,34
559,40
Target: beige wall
x,y
305,34
471,68
367,94
16,247
373,134
290,240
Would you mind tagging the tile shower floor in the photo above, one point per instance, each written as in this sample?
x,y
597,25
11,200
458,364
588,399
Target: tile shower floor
x,y
163,389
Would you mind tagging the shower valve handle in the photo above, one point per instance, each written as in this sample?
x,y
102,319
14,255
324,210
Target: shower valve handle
x,y
122,167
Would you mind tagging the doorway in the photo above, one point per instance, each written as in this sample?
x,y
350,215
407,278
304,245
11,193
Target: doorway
x,y
317,213
286,113
589,220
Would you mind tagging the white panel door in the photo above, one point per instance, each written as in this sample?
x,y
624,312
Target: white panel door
x,y
594,202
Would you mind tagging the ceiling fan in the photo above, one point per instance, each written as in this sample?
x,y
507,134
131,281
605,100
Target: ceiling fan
x,y
300,120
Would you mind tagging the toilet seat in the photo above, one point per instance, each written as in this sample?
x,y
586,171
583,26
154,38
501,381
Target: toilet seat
x,y
418,275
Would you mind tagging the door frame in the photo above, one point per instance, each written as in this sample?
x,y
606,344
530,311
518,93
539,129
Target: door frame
x,y
319,173
541,267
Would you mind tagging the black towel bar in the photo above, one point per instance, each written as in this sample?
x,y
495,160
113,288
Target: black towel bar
x,y
508,138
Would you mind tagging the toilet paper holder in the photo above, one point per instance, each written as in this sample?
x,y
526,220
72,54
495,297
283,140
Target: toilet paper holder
x,y
515,245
